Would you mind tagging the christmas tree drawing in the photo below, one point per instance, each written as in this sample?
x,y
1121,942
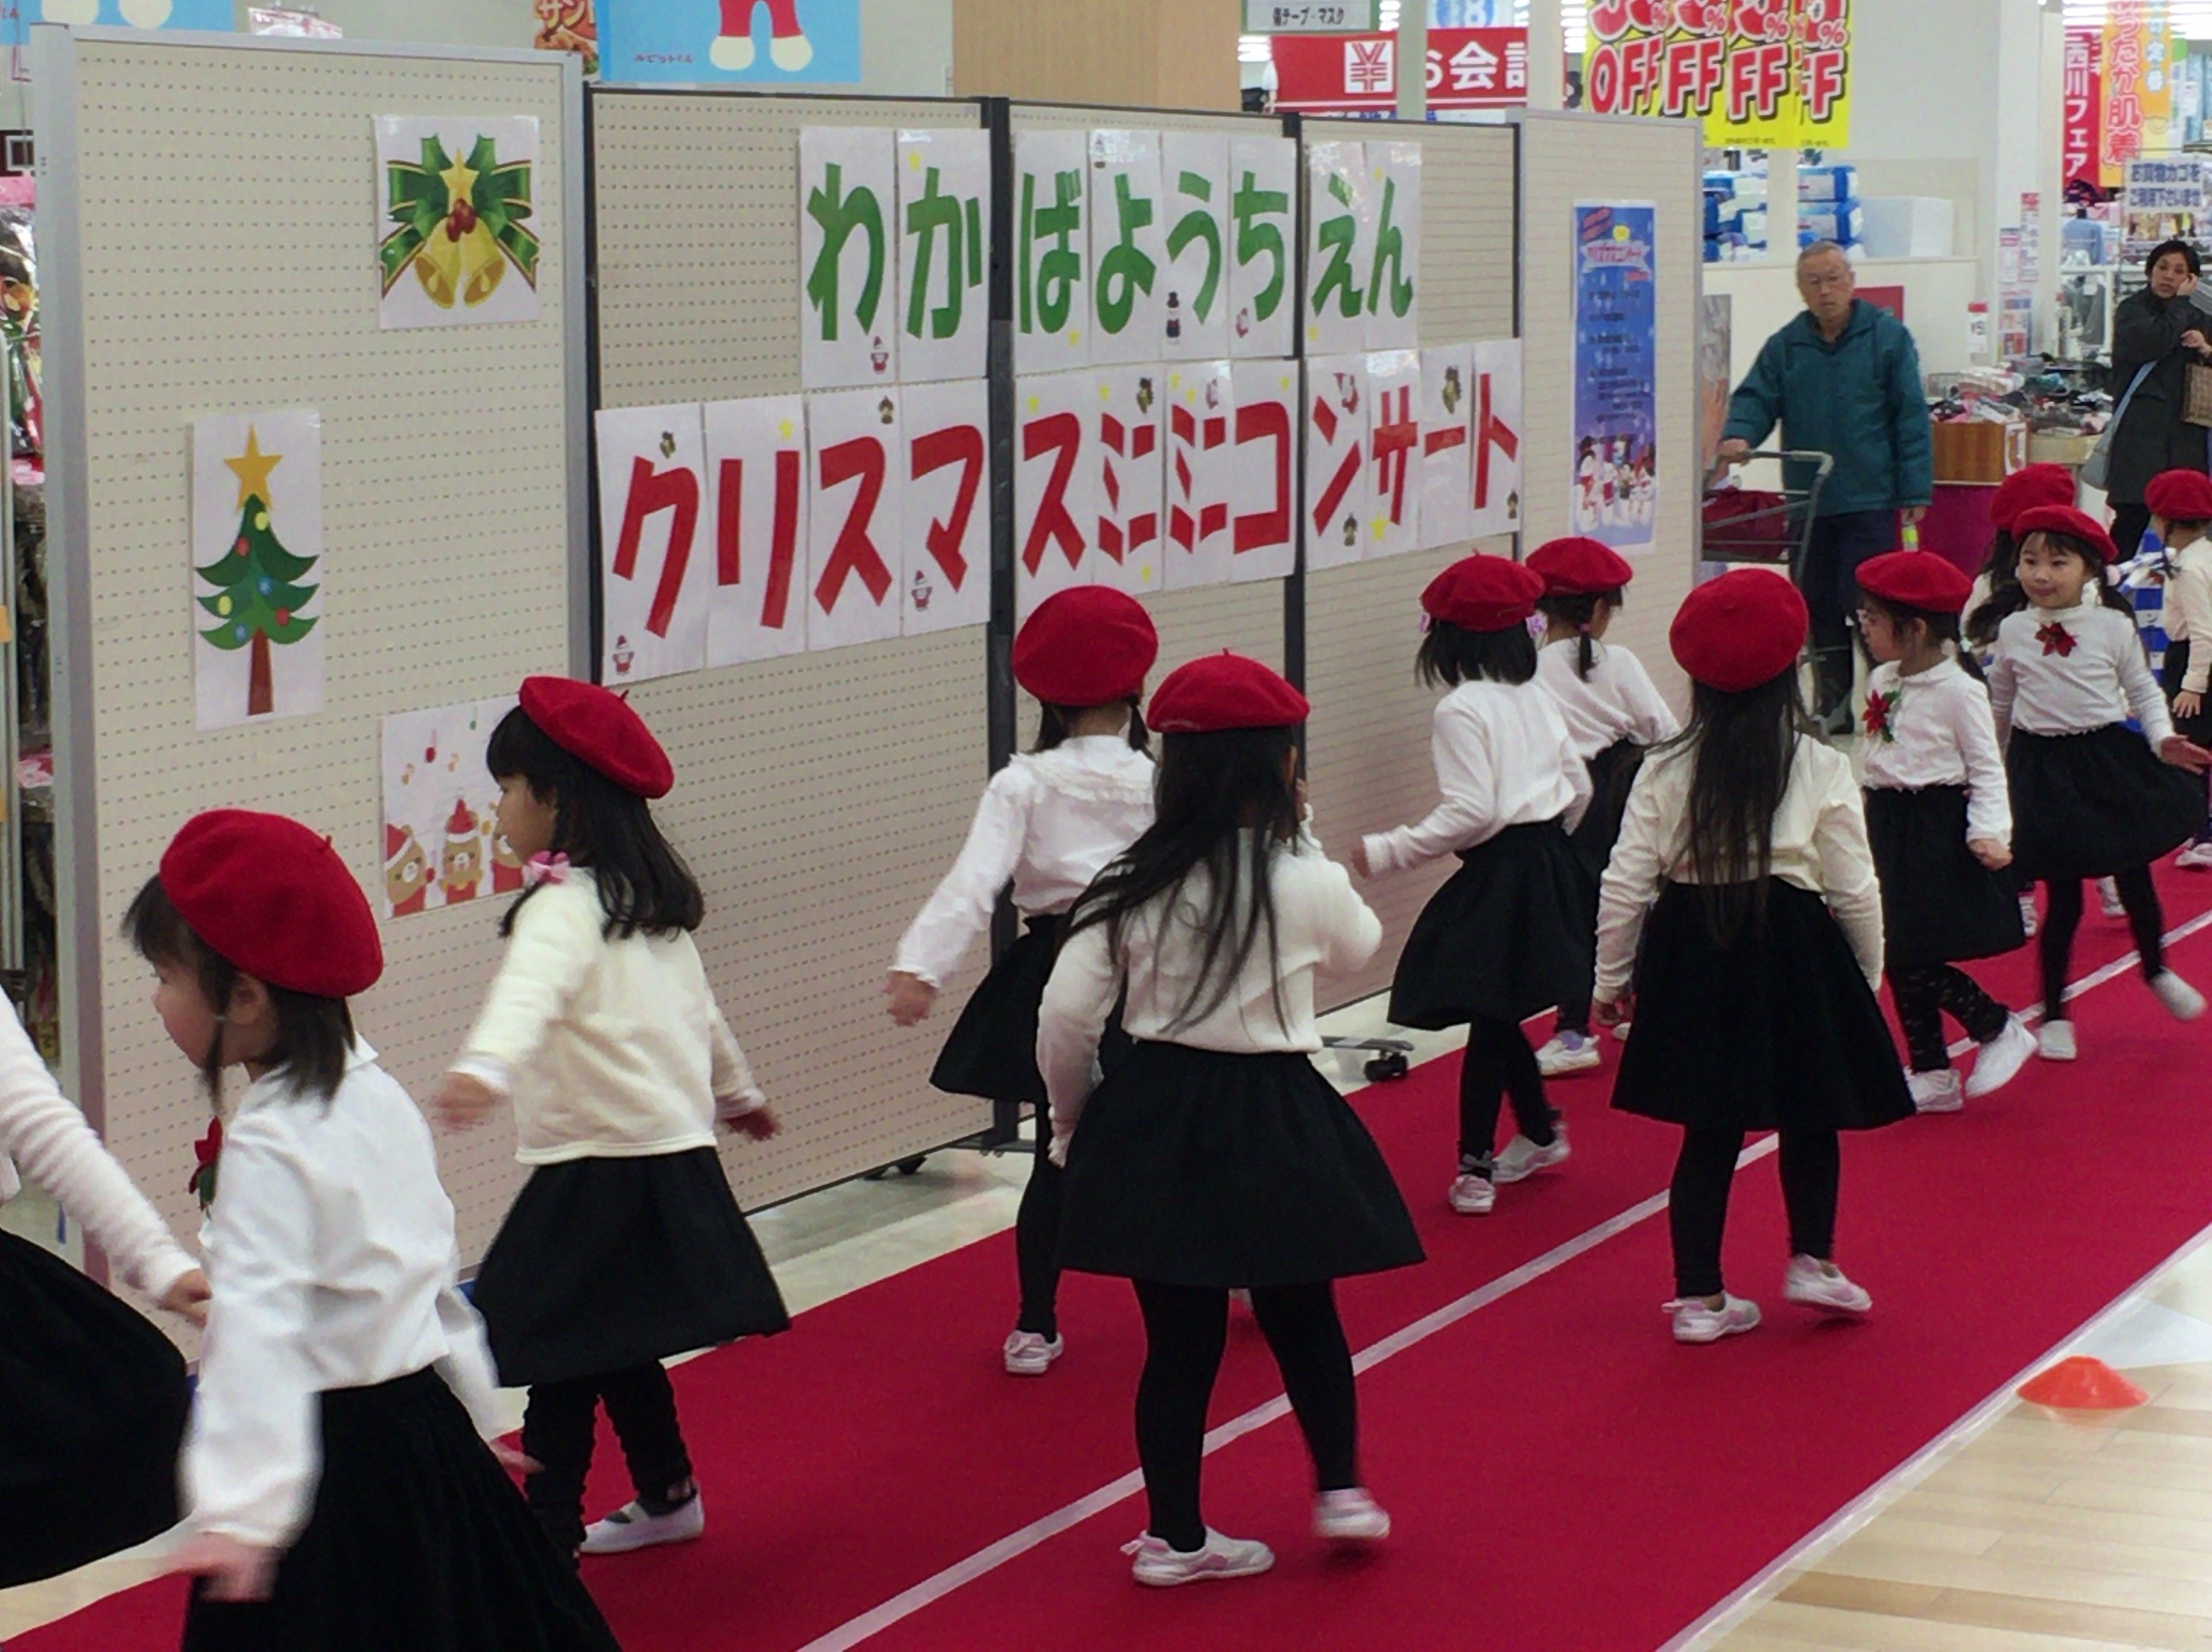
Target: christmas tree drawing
x,y
258,595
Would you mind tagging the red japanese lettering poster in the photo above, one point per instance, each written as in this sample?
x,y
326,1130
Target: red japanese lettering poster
x,y
1131,454
1055,487
756,512
948,521
1263,497
1338,500
657,573
855,530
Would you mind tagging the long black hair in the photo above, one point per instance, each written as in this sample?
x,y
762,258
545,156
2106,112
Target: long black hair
x,y
2002,568
1052,724
1226,804
1451,655
644,885
314,1036
2007,600
1579,611
1742,747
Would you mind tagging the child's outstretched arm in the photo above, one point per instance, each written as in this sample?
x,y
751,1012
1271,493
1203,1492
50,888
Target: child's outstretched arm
x,y
1632,883
740,1104
1078,1001
556,936
1466,775
960,908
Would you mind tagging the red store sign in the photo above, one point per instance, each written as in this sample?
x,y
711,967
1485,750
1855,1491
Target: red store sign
x,y
1356,74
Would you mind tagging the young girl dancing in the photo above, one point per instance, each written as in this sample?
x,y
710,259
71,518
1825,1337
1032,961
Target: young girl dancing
x,y
341,1494
1940,818
1755,1005
1613,713
1048,822
2180,504
1509,935
625,1246
1214,1155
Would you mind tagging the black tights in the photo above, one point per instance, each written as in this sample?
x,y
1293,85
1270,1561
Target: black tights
x,y
1499,1066
1923,995
1036,1240
2064,917
1697,1209
560,1427
1185,1327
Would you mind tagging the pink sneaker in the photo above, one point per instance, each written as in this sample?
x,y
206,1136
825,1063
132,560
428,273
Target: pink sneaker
x,y
1159,1566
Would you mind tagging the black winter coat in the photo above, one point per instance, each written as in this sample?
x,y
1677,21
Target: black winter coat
x,y
2153,436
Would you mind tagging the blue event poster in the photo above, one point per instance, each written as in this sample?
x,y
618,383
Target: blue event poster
x,y
1613,492
17,16
731,42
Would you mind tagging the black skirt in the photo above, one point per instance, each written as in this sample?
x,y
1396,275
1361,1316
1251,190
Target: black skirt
x,y
417,1539
1201,1168
93,1403
1613,775
2199,727
992,1049
607,1263
1509,935
2089,805
1777,1031
1939,904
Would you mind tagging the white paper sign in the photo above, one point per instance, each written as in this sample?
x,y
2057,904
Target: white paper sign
x,y
257,550
1496,435
1129,247
1263,501
441,845
1448,397
855,525
1339,247
948,514
944,254
1393,273
1201,471
756,498
456,228
1131,452
657,579
1262,243
847,284
1195,177
1052,246
1393,451
1055,487
1338,500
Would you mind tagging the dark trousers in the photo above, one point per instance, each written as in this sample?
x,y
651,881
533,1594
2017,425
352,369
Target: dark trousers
x,y
1697,1209
1036,1239
1924,993
1500,1065
2129,523
560,1426
1185,1327
1829,579
2062,917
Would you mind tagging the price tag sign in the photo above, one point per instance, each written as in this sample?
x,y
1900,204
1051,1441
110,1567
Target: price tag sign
x,y
1311,16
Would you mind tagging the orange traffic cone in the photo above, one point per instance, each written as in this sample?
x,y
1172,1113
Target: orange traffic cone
x,y
2082,1384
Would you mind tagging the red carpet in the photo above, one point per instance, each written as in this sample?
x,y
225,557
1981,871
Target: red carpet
x,y
1562,1475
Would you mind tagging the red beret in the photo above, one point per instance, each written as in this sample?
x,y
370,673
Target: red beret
x,y
2180,496
1483,593
597,727
2074,525
1916,579
1224,691
2028,487
1088,646
273,898
1741,630
1580,567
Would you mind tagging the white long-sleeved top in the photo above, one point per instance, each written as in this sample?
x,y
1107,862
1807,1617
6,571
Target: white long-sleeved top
x,y
2188,612
2105,679
330,1250
1819,844
1941,733
1050,823
1617,703
611,1048
41,1127
1503,759
1322,927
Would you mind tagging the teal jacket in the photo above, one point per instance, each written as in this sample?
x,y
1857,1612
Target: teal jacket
x,y
1859,400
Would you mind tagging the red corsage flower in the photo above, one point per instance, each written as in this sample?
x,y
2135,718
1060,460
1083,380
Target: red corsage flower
x,y
1881,712
207,1150
2056,640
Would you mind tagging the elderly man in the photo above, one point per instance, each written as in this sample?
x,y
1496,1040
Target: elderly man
x,y
1843,379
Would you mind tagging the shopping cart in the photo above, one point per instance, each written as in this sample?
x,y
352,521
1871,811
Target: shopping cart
x,y
1752,525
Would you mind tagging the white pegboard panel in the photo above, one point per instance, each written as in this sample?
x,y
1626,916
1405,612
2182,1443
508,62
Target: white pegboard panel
x,y
820,797
1569,158
209,236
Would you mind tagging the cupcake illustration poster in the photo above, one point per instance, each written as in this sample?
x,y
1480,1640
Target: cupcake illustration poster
x,y
440,846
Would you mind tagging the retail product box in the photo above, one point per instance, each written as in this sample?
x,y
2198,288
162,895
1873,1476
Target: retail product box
x,y
1832,221
1836,183
1906,226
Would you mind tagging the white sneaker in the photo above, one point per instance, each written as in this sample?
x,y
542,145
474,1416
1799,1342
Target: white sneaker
x,y
1474,1195
2054,1040
1157,1566
1812,1284
1569,1052
1522,1158
2108,897
1621,1033
1350,1517
2028,921
1029,1354
629,1528
2198,857
2001,1059
2183,1002
1936,1092
1695,1322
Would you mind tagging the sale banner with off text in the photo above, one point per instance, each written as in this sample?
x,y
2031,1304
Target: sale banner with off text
x,y
1765,73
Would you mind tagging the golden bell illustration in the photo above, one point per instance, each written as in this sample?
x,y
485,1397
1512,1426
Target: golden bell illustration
x,y
462,260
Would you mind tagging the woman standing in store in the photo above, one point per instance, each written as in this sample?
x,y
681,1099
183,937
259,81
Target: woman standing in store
x,y
2159,329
